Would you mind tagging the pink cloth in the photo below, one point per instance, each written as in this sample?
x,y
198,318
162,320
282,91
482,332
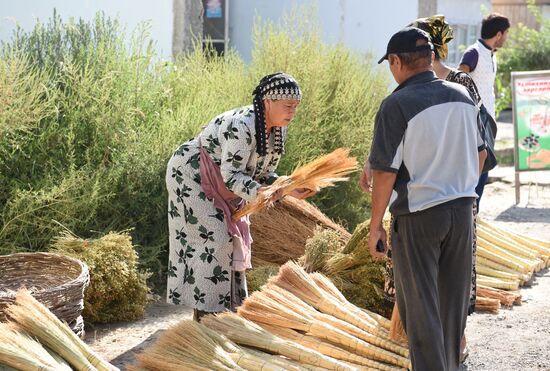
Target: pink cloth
x,y
215,190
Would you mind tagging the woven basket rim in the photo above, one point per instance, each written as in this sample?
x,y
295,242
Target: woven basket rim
x,y
82,278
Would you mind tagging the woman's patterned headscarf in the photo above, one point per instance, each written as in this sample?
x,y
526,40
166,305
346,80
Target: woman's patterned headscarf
x,y
440,33
275,86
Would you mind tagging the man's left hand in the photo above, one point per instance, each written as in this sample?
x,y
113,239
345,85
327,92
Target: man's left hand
x,y
377,234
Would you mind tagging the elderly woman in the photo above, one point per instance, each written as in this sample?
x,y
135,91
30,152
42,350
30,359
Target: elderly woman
x,y
211,176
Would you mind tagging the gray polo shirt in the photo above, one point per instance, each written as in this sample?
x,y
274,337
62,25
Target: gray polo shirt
x,y
427,131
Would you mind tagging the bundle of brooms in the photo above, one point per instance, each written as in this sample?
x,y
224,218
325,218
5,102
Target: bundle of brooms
x,y
322,172
193,346
506,261
33,328
21,352
311,305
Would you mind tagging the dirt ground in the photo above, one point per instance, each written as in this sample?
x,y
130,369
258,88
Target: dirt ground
x,y
515,339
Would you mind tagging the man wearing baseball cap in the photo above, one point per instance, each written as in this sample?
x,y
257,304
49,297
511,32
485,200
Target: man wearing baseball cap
x,y
426,156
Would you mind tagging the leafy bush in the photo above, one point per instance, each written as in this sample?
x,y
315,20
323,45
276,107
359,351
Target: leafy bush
x,y
88,124
526,50
117,290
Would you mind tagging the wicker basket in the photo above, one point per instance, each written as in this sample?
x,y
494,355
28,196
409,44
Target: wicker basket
x,y
56,281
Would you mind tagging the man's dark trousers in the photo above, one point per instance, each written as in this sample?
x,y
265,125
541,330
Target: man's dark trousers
x,y
432,257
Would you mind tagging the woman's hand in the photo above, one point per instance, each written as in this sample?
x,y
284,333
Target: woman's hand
x,y
277,195
302,193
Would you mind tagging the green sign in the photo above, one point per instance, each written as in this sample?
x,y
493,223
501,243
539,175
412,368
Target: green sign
x,y
531,108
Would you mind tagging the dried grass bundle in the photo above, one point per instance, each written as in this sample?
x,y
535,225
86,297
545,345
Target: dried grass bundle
x,y
20,351
244,332
321,247
284,310
322,172
280,232
118,290
487,305
355,272
39,322
508,298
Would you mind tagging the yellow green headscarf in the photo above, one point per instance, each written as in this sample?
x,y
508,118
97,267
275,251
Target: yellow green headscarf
x,y
440,32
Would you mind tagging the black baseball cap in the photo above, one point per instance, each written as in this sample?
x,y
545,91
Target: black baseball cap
x,y
404,41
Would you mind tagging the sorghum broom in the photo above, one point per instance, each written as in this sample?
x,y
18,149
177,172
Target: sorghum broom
x,y
262,309
39,322
505,297
281,361
497,283
196,343
523,277
533,243
20,351
293,278
291,301
157,359
247,333
326,348
321,172
487,305
328,286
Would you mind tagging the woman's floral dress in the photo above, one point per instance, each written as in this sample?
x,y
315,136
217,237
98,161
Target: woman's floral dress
x,y
199,271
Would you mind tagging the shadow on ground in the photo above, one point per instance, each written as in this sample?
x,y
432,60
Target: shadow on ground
x,y
524,214
128,357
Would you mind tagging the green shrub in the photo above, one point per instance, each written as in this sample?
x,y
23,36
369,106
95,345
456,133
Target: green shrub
x,y
526,50
117,290
90,123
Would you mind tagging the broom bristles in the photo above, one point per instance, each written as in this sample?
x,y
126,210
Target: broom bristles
x,y
324,283
291,301
196,345
325,347
323,172
20,351
247,333
296,280
38,321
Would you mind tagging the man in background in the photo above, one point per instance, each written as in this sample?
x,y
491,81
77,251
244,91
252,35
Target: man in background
x,y
480,63
479,59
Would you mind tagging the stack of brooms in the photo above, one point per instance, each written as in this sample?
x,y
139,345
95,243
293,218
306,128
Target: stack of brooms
x,y
35,339
504,262
298,321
